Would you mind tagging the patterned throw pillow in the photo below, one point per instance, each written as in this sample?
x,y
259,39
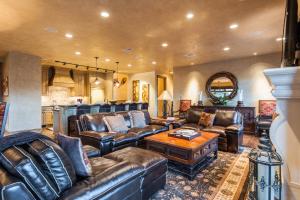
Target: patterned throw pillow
x,y
206,119
73,147
116,124
137,119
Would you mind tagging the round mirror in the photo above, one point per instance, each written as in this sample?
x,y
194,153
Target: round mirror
x,y
222,85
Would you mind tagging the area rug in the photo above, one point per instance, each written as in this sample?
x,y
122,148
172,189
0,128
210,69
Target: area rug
x,y
223,179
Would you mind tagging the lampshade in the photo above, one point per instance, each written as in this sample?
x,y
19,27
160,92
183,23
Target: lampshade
x,y
165,95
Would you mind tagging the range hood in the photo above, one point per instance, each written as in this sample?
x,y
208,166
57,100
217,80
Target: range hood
x,y
61,77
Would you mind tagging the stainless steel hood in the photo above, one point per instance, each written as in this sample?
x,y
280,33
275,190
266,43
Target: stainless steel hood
x,y
61,77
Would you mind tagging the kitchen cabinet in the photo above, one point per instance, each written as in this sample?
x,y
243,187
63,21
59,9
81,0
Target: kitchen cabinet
x,y
47,115
80,80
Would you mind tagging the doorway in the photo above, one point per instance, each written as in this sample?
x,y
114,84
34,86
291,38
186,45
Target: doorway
x,y
161,86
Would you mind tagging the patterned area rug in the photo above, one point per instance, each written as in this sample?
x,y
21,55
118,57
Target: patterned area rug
x,y
223,179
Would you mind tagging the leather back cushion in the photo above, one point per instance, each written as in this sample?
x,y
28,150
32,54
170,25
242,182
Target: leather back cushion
x,y
126,116
18,162
94,122
13,188
53,162
147,117
193,116
225,118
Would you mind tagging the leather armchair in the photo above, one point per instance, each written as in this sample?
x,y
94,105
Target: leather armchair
x,y
228,124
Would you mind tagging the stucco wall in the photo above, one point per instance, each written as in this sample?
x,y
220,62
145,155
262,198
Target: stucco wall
x,y
24,73
189,81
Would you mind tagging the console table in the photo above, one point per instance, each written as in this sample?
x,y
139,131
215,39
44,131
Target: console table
x,y
247,112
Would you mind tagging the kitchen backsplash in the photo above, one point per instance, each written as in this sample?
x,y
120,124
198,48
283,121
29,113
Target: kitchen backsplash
x,y
60,96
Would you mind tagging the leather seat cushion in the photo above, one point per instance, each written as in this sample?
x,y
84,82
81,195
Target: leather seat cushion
x,y
108,182
140,132
19,163
124,138
216,129
100,164
91,151
192,126
145,158
53,162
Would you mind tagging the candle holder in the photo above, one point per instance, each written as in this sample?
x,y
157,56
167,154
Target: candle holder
x,y
240,104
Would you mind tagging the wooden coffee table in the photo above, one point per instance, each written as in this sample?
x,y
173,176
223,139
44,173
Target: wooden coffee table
x,y
187,157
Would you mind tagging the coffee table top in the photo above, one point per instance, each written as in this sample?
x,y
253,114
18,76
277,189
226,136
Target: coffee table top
x,y
195,143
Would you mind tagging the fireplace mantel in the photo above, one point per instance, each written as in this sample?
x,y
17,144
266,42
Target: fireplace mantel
x,y
285,129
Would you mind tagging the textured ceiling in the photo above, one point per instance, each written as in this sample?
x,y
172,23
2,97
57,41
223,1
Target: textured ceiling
x,y
38,27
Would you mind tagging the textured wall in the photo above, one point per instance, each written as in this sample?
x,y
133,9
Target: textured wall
x,y
24,72
150,78
188,81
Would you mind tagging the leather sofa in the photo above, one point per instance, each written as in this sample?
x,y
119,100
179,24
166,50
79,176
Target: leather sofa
x,y
228,124
92,130
130,173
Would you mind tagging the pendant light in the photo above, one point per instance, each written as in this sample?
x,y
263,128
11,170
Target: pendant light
x,y
97,81
116,81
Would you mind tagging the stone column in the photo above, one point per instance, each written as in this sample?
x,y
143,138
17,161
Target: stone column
x,y
285,130
23,72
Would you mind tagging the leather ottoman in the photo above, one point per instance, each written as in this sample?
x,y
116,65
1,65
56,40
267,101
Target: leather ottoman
x,y
154,164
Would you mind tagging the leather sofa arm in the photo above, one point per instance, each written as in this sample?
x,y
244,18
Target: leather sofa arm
x,y
101,136
180,122
234,128
100,140
159,122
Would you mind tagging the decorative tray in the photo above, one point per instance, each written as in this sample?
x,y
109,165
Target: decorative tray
x,y
186,134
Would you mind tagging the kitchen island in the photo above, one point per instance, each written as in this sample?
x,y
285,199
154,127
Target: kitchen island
x,y
65,116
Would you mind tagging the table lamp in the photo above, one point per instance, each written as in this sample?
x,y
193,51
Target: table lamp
x,y
165,96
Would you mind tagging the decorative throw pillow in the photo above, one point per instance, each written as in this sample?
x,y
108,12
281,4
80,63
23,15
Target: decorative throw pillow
x,y
116,124
73,147
137,119
206,119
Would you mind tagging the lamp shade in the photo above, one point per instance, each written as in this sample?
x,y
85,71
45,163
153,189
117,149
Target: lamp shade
x,y
165,95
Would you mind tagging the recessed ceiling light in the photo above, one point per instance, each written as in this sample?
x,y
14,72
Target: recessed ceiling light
x,y
192,63
233,26
68,35
189,15
129,65
226,48
255,53
77,53
164,44
153,62
104,14
107,59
